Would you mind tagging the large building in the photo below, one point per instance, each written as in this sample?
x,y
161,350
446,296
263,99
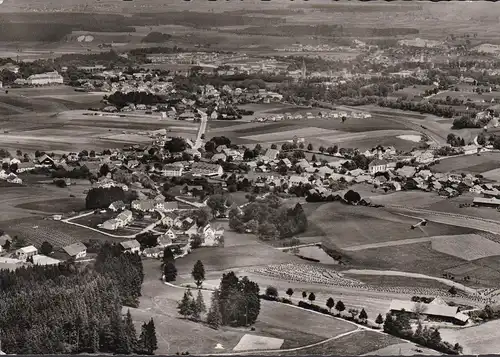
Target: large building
x,y
45,79
206,169
436,310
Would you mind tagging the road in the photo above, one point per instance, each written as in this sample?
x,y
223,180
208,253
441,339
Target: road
x,y
201,131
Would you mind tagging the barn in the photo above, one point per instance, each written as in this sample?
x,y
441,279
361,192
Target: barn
x,y
437,310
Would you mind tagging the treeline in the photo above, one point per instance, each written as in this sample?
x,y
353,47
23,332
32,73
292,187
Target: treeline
x,y
101,197
326,31
120,99
66,309
268,219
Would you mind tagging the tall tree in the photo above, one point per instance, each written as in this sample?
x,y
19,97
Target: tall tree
x,y
330,303
379,320
200,303
363,316
311,298
168,255
185,306
289,292
340,306
214,316
130,332
151,339
170,271
198,273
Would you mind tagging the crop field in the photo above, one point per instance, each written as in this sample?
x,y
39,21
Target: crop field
x,y
408,198
403,349
470,163
59,234
398,281
253,342
62,205
355,344
355,225
467,247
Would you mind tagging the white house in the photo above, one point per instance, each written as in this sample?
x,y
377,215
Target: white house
x,y
76,250
111,224
26,252
470,149
377,165
131,246
45,79
125,217
117,206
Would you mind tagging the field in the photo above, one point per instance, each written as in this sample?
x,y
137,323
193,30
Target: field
x,y
473,164
348,226
397,281
59,234
61,205
252,342
481,339
354,344
467,247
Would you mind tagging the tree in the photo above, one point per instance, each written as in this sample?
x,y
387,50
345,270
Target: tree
x,y
379,320
304,295
170,271
352,196
310,147
198,273
168,256
196,241
268,231
330,303
214,316
130,332
313,158
200,303
363,316
322,149
354,313
217,203
340,306
453,291
148,339
311,297
185,306
271,292
46,248
289,292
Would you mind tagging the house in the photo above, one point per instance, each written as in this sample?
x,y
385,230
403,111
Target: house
x,y
111,224
486,202
45,79
76,250
154,252
271,154
436,310
143,205
470,149
131,246
166,239
377,165
167,206
296,180
125,217
172,170
46,160
117,206
26,252
217,157
206,169
169,219
208,233
192,230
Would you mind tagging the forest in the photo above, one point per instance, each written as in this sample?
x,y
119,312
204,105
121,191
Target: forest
x,y
72,309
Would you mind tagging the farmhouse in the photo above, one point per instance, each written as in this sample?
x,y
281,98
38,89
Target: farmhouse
x,y
470,149
143,205
45,160
76,250
131,246
111,224
26,252
436,310
206,169
166,206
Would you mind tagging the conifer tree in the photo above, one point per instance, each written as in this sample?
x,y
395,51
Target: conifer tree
x,y
130,333
168,255
185,306
200,303
214,316
170,271
198,273
151,341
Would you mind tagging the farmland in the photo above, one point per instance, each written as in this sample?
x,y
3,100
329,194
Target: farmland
x,y
478,165
480,339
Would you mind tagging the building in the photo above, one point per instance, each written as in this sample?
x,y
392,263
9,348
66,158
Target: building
x,y
111,225
436,310
377,165
76,250
166,206
131,246
471,149
117,206
172,170
45,79
143,205
486,202
206,169
26,252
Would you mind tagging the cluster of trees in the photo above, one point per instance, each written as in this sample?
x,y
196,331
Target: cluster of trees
x,y
192,308
421,107
101,197
119,99
80,172
67,309
156,37
465,122
268,219
398,324
455,140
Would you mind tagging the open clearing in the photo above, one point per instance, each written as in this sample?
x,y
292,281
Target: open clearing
x,y
468,247
354,344
252,342
481,339
61,205
403,349
474,164
356,225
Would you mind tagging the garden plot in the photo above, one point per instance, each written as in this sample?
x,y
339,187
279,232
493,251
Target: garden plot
x,y
258,343
290,134
468,247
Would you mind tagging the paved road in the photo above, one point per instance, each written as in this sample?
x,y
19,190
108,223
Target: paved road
x,y
201,131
